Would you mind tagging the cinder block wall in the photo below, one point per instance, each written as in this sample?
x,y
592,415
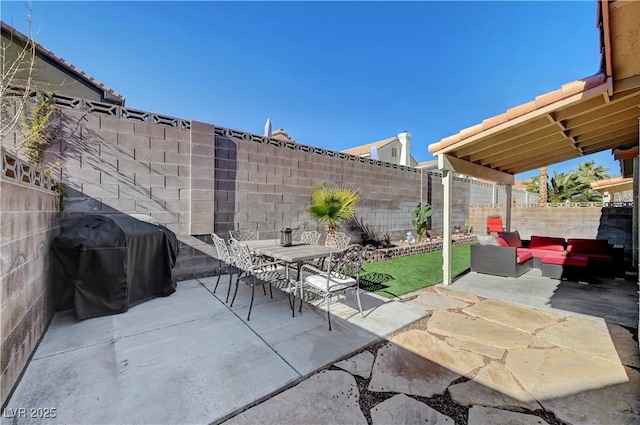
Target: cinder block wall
x,y
267,187
28,223
196,178
611,223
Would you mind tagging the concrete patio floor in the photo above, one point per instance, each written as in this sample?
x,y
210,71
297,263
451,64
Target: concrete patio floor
x,y
189,358
482,360
495,350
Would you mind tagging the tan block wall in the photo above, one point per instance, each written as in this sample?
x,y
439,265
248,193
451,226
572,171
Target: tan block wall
x,y
268,187
28,223
112,164
196,178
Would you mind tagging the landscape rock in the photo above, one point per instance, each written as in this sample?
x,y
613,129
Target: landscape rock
x,y
479,415
587,334
526,319
493,386
559,372
333,396
476,347
439,351
456,293
359,365
431,301
626,347
399,370
468,328
401,409
622,403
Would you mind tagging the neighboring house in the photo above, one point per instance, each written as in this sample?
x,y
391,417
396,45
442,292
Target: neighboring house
x,y
396,150
282,135
51,73
617,189
428,165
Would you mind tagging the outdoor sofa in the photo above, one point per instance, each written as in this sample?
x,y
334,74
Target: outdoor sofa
x,y
499,260
508,255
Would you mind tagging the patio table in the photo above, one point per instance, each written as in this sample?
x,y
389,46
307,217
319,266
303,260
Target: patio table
x,y
297,253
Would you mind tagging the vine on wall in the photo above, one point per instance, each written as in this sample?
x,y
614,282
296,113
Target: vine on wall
x,y
39,129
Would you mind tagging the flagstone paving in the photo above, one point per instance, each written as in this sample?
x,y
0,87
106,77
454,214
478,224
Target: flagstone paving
x,y
504,362
401,409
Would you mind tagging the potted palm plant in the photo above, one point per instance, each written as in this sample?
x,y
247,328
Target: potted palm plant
x,y
333,204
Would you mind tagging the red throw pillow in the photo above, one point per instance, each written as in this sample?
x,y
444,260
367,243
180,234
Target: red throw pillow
x,y
501,242
512,238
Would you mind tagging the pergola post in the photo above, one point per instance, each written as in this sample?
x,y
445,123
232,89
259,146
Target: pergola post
x,y
447,182
449,165
509,197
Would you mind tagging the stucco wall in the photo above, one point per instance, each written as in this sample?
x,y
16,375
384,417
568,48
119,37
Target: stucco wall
x,y
28,224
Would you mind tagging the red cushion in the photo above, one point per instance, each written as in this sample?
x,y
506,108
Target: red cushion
x,y
539,253
494,224
546,242
599,246
501,241
571,260
512,238
523,256
601,258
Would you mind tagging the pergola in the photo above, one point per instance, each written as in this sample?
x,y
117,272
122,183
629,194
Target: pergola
x,y
583,117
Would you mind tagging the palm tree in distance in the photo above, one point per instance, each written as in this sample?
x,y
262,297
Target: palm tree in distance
x,y
589,172
543,182
572,186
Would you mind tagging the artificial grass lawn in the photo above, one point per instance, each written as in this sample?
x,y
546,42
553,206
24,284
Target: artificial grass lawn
x,y
399,276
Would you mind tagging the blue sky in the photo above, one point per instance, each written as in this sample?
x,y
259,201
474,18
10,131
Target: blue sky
x,y
332,74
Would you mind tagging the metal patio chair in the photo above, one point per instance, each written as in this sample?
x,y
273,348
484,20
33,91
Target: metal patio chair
x,y
310,237
224,258
244,234
343,272
257,271
338,240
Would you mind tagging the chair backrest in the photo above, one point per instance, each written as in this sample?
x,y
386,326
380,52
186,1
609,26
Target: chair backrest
x,y
347,263
310,236
221,247
242,255
337,240
494,224
244,234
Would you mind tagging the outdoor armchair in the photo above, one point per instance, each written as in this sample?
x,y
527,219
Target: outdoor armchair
x,y
244,234
226,259
257,271
343,272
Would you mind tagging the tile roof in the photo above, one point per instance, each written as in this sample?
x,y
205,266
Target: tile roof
x,y
566,91
366,149
65,64
608,183
430,164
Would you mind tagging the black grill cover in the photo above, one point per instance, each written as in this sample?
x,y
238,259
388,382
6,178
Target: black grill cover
x,y
112,262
